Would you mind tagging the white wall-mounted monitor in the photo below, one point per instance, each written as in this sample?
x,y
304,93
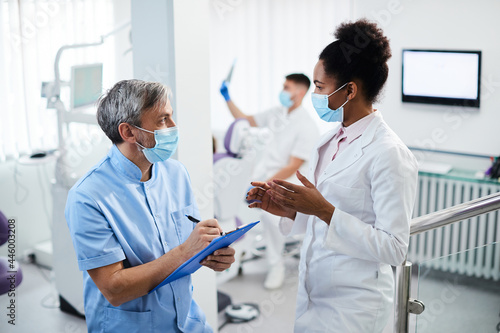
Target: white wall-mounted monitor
x,y
86,85
441,77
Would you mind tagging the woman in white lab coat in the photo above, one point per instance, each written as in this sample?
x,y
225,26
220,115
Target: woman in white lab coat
x,y
356,204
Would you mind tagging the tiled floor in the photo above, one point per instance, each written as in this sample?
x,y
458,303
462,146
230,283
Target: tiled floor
x,y
277,307
36,306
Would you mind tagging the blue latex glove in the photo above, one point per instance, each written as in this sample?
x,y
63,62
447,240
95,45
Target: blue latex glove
x,y
224,91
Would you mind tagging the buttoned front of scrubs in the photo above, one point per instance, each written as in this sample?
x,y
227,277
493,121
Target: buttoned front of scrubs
x,y
112,217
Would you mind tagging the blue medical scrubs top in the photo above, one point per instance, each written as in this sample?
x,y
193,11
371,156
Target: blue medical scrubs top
x,y
112,217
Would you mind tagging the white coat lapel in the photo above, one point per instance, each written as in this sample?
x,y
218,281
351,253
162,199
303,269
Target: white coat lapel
x,y
315,157
352,153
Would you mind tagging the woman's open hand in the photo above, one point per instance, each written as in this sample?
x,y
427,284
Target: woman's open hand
x,y
261,193
304,199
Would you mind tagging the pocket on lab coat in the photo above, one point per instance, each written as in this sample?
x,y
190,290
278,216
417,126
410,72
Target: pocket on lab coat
x,y
118,320
348,199
356,283
183,225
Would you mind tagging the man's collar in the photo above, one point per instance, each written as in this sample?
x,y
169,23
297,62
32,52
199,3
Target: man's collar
x,y
124,165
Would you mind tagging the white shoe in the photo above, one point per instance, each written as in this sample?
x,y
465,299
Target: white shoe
x,y
275,277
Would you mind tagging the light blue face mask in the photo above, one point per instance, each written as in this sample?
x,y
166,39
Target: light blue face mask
x,y
286,99
166,144
320,103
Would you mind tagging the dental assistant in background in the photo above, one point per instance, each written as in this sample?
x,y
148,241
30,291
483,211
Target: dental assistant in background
x,y
127,219
294,135
355,206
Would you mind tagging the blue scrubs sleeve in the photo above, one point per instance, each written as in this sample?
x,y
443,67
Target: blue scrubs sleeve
x,y
94,241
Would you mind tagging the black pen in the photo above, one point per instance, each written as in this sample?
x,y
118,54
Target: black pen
x,y
195,220
192,219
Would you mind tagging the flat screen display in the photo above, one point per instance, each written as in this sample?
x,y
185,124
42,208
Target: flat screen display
x,y
86,84
441,77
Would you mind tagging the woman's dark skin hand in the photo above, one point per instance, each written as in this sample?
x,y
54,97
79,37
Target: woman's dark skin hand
x,y
261,192
304,199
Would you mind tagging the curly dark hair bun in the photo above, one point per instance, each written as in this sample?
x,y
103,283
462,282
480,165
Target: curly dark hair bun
x,y
360,52
367,38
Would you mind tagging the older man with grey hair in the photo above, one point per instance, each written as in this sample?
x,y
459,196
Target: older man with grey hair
x,y
127,218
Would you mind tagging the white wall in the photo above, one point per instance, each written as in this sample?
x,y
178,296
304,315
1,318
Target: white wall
x,y
269,39
192,80
444,24
122,40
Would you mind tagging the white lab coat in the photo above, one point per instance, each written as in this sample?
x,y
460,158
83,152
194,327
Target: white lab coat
x,y
346,282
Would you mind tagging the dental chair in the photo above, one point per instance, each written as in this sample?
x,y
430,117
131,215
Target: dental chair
x,y
8,279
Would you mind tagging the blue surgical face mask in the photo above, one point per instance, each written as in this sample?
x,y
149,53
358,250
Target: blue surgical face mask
x,y
285,99
320,103
166,144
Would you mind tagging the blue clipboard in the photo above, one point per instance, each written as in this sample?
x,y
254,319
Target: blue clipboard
x,y
193,264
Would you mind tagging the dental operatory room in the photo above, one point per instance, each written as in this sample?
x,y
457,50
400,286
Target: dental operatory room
x,y
249,166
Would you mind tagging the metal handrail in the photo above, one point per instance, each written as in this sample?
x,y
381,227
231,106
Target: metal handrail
x,y
456,213
428,222
456,153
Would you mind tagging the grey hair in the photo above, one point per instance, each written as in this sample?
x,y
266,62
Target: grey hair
x,y
126,102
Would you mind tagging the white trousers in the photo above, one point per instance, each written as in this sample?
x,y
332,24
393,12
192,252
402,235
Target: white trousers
x,y
275,241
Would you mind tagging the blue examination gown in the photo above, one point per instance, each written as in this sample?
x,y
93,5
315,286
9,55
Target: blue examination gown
x,y
112,217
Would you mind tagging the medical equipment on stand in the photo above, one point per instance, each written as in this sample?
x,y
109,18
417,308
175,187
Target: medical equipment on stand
x,y
68,278
86,85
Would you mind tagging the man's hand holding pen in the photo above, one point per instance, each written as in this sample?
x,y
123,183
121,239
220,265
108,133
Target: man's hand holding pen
x,y
203,233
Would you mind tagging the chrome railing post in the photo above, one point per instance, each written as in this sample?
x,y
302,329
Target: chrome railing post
x,y
403,285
